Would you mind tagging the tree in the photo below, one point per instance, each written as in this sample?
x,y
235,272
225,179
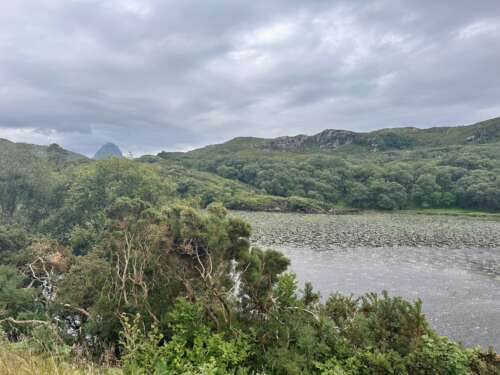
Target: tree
x,y
426,192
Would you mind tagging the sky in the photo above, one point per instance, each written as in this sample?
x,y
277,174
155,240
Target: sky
x,y
152,75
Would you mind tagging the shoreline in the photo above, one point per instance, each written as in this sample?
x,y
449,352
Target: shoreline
x,y
423,211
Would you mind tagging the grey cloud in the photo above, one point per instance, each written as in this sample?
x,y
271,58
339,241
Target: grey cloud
x,y
152,75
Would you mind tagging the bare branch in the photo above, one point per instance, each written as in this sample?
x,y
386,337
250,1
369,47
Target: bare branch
x,y
79,309
32,321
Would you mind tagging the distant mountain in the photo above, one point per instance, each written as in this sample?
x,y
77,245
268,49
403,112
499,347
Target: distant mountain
x,y
107,151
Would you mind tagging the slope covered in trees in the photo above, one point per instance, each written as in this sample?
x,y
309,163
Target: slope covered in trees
x,y
36,181
456,167
117,262
121,270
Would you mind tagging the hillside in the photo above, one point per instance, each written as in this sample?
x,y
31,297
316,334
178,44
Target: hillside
x,y
330,140
29,176
113,263
203,188
25,154
37,181
407,168
385,169
390,139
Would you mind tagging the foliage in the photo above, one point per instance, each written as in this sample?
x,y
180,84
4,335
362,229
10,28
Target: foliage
x,y
387,170
139,262
192,348
20,359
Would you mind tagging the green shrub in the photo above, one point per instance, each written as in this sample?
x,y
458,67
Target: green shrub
x,y
439,356
193,347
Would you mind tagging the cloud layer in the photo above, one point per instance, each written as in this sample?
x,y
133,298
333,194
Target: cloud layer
x,y
155,75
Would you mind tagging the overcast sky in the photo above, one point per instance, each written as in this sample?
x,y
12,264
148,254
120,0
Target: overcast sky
x,y
173,75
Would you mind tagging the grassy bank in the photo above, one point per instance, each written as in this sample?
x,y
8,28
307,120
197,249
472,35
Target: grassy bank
x,y
345,210
18,359
455,212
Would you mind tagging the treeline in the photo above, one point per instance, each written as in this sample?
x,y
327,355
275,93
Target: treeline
x,y
106,261
452,177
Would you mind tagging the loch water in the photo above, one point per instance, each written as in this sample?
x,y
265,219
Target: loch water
x,y
451,263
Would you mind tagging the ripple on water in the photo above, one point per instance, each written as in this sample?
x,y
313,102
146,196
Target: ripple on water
x,y
452,264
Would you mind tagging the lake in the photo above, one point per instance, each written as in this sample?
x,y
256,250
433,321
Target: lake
x,y
451,263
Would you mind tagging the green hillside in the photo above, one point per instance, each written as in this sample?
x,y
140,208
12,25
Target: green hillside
x,y
25,155
332,140
202,188
113,263
386,169
30,177
407,168
37,181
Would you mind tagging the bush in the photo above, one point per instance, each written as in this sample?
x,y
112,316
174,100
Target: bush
x,y
191,349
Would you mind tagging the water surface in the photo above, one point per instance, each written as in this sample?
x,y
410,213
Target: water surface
x,y
452,264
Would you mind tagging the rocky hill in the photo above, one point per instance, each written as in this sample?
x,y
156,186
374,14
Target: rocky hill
x,y
393,138
330,140
400,168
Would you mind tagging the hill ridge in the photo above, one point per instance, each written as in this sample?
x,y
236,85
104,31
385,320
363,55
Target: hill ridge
x,y
330,139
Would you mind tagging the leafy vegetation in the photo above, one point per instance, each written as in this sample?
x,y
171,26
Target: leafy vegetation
x,y
116,263
388,169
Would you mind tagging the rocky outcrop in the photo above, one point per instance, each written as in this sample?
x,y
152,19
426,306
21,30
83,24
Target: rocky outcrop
x,y
391,139
289,143
327,140
485,134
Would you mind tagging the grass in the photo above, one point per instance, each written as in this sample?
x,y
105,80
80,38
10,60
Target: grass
x,y
16,360
454,212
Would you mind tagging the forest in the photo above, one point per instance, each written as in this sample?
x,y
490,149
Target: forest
x,y
391,169
135,266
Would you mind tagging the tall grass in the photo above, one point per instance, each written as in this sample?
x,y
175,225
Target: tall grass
x,y
18,359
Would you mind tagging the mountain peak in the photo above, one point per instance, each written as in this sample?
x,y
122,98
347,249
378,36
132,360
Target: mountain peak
x,y
107,151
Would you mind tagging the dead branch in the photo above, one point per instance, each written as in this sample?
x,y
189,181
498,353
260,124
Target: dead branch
x,y
79,309
31,321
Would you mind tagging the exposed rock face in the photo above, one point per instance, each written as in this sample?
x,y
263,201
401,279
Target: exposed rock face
x,y
391,138
289,143
330,139
485,135
107,151
327,140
